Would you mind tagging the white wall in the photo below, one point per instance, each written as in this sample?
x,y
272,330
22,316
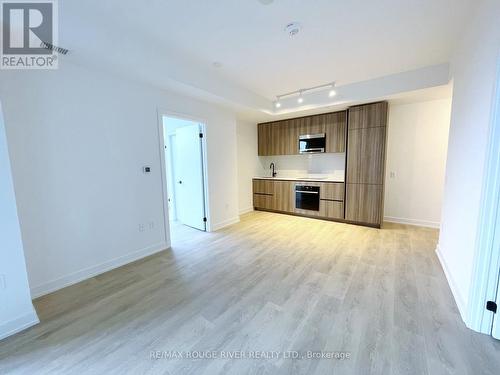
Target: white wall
x,y
16,310
330,165
78,140
417,143
474,68
248,163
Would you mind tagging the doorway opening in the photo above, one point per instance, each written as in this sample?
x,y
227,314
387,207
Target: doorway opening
x,y
185,175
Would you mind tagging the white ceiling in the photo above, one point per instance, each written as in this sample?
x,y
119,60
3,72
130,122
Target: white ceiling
x,y
173,44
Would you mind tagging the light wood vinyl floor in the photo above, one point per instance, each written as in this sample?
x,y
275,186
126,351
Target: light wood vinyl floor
x,y
270,283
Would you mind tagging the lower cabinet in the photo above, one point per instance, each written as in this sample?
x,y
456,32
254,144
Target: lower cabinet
x,y
364,203
284,196
263,187
331,209
279,196
263,201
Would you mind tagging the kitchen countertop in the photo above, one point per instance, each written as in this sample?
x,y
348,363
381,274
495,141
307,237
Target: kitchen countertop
x,y
302,178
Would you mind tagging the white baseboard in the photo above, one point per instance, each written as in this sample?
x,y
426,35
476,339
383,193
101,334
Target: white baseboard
x,y
225,223
19,324
92,271
246,210
462,307
420,223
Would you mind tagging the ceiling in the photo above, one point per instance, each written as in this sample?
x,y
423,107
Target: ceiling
x,y
173,44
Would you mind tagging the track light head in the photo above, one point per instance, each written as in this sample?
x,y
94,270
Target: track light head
x,y
332,91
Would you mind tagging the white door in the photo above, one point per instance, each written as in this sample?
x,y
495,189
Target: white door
x,y
190,198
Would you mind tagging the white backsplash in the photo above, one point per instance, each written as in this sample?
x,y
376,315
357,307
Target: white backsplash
x,y
313,165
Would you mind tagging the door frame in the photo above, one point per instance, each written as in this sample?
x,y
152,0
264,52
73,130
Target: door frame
x,y
162,112
485,275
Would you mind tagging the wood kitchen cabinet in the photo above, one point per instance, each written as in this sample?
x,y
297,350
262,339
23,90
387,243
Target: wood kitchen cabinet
x,y
264,139
282,137
263,194
331,209
279,196
263,186
332,191
368,116
335,129
284,196
366,155
364,203
263,201
366,149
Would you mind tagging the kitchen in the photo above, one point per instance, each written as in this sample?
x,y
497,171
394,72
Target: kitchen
x,y
345,153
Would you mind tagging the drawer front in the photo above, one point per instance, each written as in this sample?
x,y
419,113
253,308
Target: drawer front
x,y
263,201
331,209
263,186
332,191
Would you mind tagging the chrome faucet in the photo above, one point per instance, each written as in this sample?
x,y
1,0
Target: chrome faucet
x,y
273,173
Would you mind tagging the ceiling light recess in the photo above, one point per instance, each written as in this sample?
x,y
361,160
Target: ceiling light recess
x,y
300,99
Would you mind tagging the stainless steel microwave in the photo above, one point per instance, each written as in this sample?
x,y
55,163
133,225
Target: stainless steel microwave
x,y
312,143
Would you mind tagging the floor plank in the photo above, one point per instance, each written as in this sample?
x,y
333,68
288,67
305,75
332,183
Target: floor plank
x,y
271,283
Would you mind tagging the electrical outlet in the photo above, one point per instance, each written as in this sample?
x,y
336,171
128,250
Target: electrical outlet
x,y
151,225
392,174
3,284
141,228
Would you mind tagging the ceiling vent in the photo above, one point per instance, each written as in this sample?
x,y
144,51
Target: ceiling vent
x,y
56,49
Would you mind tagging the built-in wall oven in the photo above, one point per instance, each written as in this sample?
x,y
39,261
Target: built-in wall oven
x,y
307,197
312,143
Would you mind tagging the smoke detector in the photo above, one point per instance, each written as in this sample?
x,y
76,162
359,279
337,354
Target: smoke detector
x,y
292,29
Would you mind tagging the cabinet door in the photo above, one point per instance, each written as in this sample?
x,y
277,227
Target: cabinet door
x,y
275,145
331,209
364,203
283,196
285,143
263,186
335,129
303,125
366,155
332,191
292,141
264,139
317,124
263,201
368,116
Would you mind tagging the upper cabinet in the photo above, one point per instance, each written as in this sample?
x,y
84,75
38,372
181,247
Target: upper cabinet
x,y
282,137
368,116
335,129
264,137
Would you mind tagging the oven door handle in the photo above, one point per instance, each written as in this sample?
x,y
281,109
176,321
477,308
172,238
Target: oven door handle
x,y
306,192
312,149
